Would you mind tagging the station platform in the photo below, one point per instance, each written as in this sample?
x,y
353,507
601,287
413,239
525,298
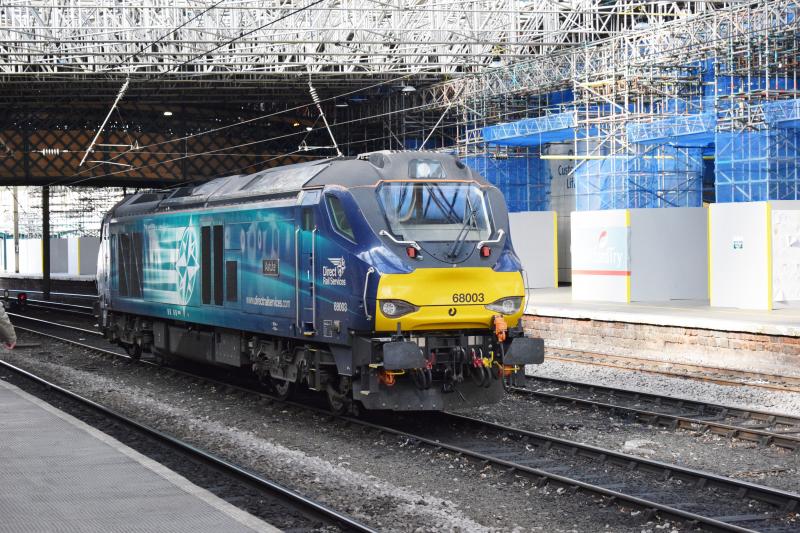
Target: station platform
x,y
677,331
59,474
59,283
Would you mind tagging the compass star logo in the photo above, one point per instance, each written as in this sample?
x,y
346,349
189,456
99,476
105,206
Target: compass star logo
x,y
338,262
187,265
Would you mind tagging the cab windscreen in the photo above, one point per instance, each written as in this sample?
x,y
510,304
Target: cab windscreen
x,y
435,211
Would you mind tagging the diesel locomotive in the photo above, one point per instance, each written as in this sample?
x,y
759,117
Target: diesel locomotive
x,y
386,281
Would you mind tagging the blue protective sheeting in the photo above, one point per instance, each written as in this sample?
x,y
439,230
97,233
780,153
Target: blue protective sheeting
x,y
523,179
659,176
758,165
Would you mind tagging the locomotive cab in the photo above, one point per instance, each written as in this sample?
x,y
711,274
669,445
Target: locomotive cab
x,y
448,291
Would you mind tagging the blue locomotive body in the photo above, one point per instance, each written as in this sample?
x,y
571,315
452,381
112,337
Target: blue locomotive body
x,y
284,272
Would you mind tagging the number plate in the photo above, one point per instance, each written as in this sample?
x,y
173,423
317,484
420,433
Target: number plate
x,y
468,297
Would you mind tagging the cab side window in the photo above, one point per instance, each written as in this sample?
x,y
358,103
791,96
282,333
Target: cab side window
x,y
339,217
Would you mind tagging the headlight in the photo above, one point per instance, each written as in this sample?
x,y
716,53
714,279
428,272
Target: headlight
x,y
507,306
396,308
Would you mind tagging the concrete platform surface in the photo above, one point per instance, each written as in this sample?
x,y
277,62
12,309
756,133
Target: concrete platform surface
x,y
59,474
558,303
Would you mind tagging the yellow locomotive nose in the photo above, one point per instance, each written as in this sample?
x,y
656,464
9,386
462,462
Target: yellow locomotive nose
x,y
448,298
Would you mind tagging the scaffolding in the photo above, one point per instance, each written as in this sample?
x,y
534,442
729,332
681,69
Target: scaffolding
x,y
520,175
647,108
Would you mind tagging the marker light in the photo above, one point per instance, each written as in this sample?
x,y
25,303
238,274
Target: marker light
x,y
485,251
411,252
167,113
507,306
397,308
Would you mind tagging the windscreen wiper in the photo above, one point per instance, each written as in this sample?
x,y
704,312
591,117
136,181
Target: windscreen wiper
x,y
455,248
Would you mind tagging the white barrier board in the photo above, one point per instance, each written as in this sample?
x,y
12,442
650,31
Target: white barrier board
x,y
669,254
533,234
600,258
740,254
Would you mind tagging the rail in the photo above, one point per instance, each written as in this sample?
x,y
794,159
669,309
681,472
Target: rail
x,y
701,498
317,509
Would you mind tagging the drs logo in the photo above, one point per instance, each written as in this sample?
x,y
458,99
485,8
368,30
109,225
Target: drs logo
x,y
468,297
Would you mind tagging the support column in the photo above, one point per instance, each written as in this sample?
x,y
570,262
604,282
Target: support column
x,y
46,242
16,229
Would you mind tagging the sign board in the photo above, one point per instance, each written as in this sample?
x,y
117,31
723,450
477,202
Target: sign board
x,y
271,267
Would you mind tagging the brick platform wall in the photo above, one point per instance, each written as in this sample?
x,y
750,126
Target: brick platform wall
x,y
772,354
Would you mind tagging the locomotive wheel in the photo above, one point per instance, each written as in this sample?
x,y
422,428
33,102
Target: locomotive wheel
x,y
418,377
283,389
478,375
337,394
134,350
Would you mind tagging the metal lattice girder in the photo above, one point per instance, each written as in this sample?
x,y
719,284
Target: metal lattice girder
x,y
783,114
533,131
80,37
191,47
693,37
672,128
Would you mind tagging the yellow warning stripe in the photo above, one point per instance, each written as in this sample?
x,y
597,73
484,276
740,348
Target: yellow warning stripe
x,y
708,246
628,277
555,249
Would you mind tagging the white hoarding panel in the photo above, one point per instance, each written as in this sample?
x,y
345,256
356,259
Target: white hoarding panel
x,y
72,256
88,247
600,258
740,255
669,254
534,236
786,252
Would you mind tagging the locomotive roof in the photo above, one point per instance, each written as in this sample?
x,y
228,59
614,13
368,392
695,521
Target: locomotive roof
x,y
289,180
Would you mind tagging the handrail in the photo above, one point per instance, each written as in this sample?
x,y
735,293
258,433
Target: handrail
x,y
370,270
396,241
313,279
297,279
500,234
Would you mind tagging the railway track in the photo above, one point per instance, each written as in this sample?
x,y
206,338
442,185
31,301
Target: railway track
x,y
722,376
315,513
698,498
75,309
83,298
666,411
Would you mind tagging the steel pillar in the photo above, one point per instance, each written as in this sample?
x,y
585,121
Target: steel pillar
x,y
46,242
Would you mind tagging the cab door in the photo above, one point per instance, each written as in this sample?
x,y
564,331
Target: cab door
x,y
305,270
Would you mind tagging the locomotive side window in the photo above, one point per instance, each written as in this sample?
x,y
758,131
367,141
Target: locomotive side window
x,y
122,264
231,281
212,242
308,219
205,265
339,217
129,261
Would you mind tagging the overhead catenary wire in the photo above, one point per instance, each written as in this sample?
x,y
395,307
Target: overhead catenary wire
x,y
264,117
103,125
250,143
